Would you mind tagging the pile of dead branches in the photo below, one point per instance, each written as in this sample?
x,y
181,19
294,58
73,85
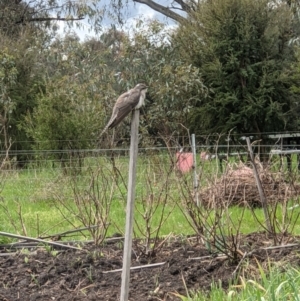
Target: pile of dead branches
x,y
237,186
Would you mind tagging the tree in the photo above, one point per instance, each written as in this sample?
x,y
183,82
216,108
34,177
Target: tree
x,y
186,7
82,81
17,14
8,76
69,111
25,34
174,87
242,49
169,11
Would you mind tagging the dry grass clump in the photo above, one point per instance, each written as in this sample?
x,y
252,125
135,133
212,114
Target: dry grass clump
x,y
237,186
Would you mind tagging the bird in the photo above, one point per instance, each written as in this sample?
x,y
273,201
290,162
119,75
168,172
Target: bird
x,y
126,102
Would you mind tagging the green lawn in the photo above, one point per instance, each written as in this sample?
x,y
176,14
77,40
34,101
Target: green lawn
x,y
42,197
41,201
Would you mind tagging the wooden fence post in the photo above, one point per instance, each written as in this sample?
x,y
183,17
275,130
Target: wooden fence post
x,y
195,176
260,188
130,205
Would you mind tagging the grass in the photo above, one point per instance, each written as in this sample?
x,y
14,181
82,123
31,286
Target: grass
x,y
33,193
43,218
251,224
273,285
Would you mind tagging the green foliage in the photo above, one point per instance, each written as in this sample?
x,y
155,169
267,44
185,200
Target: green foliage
x,y
10,13
242,49
17,16
70,109
8,77
63,119
8,70
26,32
174,86
275,284
19,86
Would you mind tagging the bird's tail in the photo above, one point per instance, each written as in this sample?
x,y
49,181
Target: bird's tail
x,y
104,130
109,125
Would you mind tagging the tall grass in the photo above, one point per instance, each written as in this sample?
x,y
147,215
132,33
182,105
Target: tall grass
x,y
275,284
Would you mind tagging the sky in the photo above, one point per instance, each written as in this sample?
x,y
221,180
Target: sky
x,y
132,12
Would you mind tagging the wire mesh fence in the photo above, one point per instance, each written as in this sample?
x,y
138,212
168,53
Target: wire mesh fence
x,y
213,153
89,186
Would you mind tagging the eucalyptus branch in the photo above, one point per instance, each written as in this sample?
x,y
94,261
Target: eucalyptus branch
x,y
43,19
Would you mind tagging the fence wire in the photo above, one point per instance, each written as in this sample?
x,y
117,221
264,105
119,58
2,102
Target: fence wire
x,y
36,169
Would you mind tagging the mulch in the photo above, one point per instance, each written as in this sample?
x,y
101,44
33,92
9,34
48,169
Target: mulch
x,y
237,186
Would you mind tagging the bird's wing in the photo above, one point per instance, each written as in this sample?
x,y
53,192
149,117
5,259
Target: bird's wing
x,y
124,105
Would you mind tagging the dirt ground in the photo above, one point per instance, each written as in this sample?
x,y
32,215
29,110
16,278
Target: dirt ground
x,y
88,274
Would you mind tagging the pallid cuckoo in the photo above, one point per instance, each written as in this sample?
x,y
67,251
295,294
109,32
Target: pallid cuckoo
x,y
132,99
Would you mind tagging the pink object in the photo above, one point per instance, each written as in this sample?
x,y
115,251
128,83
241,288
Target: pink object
x,y
184,161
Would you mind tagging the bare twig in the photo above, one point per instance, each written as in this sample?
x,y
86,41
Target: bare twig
x,y
239,264
153,265
70,232
52,243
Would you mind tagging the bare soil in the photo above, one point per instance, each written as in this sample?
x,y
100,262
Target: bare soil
x,y
88,274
